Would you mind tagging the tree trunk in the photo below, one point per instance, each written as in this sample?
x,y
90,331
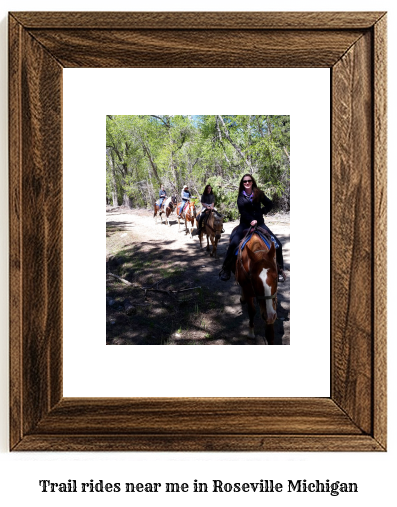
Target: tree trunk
x,y
127,201
237,148
114,184
220,139
152,163
286,152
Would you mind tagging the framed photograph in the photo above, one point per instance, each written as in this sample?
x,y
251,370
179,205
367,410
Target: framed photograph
x,y
353,46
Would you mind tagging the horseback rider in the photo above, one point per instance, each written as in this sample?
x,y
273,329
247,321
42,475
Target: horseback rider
x,y
162,195
252,205
185,195
207,203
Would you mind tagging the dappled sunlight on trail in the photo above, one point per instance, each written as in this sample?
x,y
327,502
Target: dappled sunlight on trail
x,y
206,311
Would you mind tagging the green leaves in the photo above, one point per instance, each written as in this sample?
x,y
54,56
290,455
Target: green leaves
x,y
146,150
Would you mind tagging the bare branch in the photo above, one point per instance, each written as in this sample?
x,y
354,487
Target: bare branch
x,y
167,123
220,139
126,282
237,148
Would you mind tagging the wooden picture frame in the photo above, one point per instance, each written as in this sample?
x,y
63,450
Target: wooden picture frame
x,y
353,46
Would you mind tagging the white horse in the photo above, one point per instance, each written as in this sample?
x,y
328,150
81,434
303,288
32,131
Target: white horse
x,y
168,207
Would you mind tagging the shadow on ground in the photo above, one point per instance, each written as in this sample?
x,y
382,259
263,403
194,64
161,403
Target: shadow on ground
x,y
184,302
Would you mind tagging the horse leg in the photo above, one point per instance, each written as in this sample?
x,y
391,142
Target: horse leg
x,y
251,311
251,315
269,334
214,248
269,326
214,245
208,244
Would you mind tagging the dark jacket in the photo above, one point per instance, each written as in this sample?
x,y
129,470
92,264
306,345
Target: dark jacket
x,y
250,211
162,193
207,199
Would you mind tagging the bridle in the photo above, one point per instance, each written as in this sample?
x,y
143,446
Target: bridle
x,y
248,274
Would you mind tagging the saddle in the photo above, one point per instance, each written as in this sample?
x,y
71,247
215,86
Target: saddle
x,y
266,237
167,201
184,208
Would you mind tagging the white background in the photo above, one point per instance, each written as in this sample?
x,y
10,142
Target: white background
x,y
90,94
20,473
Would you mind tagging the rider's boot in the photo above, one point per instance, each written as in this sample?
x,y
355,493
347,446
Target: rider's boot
x,y
226,271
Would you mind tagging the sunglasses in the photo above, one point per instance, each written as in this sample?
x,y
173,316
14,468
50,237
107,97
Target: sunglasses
x,y
247,181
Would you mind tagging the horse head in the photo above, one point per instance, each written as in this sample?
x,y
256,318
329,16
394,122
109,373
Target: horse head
x,y
215,220
264,276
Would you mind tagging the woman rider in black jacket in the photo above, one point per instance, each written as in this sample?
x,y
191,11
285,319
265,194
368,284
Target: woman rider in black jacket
x,y
207,202
252,205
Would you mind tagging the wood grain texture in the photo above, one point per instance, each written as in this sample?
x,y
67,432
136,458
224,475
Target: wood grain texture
x,y
200,20
354,46
36,187
380,230
199,443
351,232
196,48
15,229
238,416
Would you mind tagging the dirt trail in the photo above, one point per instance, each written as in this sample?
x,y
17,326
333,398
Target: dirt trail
x,y
144,253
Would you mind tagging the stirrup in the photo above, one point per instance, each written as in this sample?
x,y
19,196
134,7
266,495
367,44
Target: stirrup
x,y
281,275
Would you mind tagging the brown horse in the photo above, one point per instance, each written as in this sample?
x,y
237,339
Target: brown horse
x,y
167,207
188,214
213,228
256,273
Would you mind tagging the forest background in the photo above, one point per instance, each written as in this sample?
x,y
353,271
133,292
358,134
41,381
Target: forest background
x,y
146,151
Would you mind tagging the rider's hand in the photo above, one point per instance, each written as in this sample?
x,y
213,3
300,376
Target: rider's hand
x,y
254,222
